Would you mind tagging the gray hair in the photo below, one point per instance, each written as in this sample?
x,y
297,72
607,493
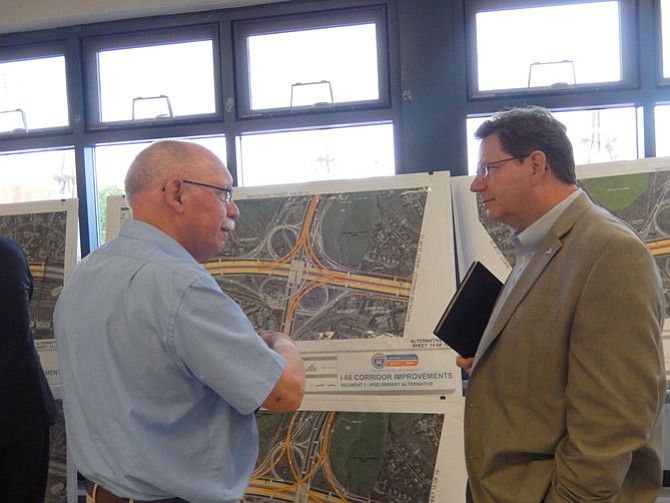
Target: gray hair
x,y
157,162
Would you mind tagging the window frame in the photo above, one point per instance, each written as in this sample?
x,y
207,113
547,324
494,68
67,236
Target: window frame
x,y
239,140
91,45
628,44
244,28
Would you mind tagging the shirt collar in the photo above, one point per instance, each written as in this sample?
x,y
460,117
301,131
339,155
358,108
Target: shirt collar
x,y
135,229
526,241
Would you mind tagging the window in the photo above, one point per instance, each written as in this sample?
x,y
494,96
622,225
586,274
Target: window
x,y
601,135
37,175
526,48
662,130
33,92
324,154
153,77
665,36
315,61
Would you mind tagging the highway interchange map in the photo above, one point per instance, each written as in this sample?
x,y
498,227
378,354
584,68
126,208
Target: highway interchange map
x,y
42,237
346,457
327,266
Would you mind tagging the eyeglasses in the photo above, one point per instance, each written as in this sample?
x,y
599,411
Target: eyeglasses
x,y
228,191
485,170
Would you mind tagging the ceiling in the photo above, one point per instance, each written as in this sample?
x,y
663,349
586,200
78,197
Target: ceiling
x,y
27,15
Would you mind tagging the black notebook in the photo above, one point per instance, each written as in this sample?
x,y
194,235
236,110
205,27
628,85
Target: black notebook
x,y
463,322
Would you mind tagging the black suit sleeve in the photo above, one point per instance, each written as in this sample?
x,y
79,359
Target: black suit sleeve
x,y
26,401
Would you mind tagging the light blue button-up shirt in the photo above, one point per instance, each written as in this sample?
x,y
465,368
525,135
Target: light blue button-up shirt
x,y
161,373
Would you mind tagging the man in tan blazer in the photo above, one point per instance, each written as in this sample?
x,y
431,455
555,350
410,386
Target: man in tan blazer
x,y
566,391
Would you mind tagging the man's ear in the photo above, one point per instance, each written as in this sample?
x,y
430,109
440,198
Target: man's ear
x,y
173,194
538,162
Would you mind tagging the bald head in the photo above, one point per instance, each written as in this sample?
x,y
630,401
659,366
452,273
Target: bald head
x,y
180,188
167,159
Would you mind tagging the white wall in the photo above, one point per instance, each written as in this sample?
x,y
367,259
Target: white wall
x,y
24,15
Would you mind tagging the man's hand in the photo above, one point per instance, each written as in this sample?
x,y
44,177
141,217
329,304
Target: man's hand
x,y
290,389
465,363
272,338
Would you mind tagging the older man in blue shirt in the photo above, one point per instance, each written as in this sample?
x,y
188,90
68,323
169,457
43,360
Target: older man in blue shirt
x,y
161,370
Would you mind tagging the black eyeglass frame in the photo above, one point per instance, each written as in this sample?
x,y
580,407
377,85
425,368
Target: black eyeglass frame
x,y
228,190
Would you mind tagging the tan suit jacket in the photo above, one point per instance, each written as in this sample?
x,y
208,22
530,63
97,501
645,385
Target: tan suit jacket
x,y
565,401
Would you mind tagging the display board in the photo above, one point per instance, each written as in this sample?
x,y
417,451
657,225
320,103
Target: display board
x,y
358,274
348,270
374,451
47,232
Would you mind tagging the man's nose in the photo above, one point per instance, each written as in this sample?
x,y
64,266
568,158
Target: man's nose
x,y
477,184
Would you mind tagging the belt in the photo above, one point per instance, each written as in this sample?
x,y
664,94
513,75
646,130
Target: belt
x,y
101,495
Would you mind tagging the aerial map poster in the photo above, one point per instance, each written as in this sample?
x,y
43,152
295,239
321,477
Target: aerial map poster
x,y
47,231
357,273
635,191
338,452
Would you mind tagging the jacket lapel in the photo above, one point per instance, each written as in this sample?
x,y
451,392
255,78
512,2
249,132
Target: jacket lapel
x,y
545,252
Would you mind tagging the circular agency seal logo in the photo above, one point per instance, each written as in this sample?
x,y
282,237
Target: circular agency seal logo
x,y
379,360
